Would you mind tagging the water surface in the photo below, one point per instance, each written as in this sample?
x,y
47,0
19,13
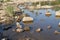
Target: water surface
x,y
40,21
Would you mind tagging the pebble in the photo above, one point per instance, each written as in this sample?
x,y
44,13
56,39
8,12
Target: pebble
x,y
27,28
18,25
38,30
3,39
59,24
27,39
56,32
19,30
49,27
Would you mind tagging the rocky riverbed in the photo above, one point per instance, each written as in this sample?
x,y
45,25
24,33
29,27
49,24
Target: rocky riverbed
x,y
43,27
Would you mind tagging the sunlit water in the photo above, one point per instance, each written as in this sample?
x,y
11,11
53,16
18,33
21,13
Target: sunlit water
x,y
40,21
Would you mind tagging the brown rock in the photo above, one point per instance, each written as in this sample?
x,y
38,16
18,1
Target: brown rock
x,y
38,30
27,28
56,32
19,30
49,27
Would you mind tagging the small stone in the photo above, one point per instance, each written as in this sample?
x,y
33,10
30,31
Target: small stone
x,y
48,14
18,25
38,30
4,39
27,19
59,24
56,32
19,30
13,30
49,27
27,39
27,28
40,13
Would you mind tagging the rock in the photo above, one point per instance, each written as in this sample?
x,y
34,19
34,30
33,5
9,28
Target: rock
x,y
19,30
40,13
49,27
48,13
59,24
5,38
27,19
58,13
27,39
16,17
18,25
56,32
7,28
27,28
38,30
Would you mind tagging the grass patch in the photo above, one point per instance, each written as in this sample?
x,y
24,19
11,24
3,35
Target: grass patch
x,y
56,8
10,10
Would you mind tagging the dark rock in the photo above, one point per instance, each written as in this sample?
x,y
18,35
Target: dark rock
x,y
7,28
5,38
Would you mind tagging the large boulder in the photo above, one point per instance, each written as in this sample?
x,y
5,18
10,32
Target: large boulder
x,y
27,19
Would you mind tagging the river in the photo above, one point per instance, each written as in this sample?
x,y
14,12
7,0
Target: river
x,y
40,21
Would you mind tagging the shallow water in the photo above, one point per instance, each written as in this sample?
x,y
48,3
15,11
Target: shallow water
x,y
40,21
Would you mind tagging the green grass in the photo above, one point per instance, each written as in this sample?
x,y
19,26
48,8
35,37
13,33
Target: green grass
x,y
10,10
57,2
5,0
50,3
56,8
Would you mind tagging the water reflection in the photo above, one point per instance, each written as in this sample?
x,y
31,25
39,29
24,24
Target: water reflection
x,y
40,21
48,15
57,17
28,22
